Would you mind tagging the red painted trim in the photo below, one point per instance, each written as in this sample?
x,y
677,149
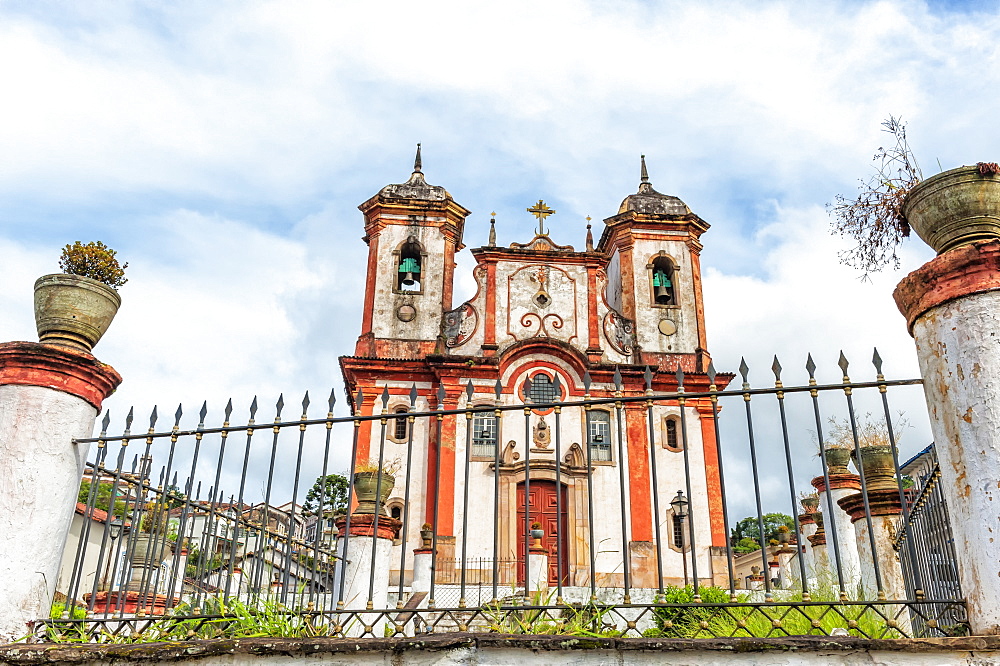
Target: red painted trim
x,y
59,368
490,330
881,502
639,485
967,270
362,524
713,481
699,299
366,317
593,321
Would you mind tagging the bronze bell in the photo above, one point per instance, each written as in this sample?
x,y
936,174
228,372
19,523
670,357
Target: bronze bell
x,y
408,279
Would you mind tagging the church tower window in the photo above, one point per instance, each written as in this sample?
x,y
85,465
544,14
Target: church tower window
x,y
663,279
599,435
543,389
671,434
409,276
400,429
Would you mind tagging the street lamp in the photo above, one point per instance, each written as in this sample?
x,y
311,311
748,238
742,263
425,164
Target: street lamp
x,y
114,531
680,505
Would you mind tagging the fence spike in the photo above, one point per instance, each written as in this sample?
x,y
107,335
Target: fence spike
x,y
842,362
680,376
178,414
305,404
163,472
527,389
135,463
744,369
440,396
385,397
617,379
128,419
712,374
332,400
877,361
203,413
253,408
557,385
413,394
648,376
359,399
278,406
497,389
469,391
153,416
229,410
107,421
811,367
776,369
587,381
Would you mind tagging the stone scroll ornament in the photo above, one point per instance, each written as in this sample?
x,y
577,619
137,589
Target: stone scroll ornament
x,y
619,332
459,325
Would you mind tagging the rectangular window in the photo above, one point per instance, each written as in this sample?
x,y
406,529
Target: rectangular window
x,y
599,434
484,435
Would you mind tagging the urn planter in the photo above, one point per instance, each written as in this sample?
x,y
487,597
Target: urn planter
x,y
837,460
148,552
878,466
366,485
954,208
73,311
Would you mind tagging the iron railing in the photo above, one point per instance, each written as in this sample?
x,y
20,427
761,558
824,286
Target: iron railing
x,y
247,551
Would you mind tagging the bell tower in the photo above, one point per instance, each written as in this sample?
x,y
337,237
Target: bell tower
x,y
654,276
413,231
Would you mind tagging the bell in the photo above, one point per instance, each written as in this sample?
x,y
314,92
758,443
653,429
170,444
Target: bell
x,y
662,292
408,279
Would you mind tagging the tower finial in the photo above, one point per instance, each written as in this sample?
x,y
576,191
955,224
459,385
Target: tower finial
x,y
417,163
493,229
644,174
590,237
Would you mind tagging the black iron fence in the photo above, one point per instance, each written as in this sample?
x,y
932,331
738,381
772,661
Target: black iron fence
x,y
218,529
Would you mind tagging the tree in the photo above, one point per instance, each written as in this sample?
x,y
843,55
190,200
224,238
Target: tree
x,y
333,490
748,528
103,499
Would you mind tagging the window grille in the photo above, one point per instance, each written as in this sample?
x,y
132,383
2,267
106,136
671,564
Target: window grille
x,y
599,434
484,435
678,532
672,441
543,391
399,428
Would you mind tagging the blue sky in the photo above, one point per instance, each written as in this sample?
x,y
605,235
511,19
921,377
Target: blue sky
x,y
223,147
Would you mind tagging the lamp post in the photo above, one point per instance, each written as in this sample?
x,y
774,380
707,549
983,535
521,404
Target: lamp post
x,y
114,531
680,505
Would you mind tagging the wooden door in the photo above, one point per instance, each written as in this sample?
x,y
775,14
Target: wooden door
x,y
542,509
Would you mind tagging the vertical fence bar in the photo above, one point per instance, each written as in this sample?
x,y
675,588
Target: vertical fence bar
x,y
410,422
345,537
681,401
861,473
722,478
765,569
469,391
559,494
498,414
780,395
291,518
814,394
654,480
437,494
384,421
239,502
270,478
321,510
527,488
590,491
626,559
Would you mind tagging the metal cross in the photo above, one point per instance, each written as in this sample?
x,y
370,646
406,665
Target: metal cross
x,y
541,211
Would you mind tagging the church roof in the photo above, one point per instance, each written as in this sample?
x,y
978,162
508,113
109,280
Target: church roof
x,y
650,202
416,187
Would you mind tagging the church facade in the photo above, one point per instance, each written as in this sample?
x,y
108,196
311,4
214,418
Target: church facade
x,y
547,324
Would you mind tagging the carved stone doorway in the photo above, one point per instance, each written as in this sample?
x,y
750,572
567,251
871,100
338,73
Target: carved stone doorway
x,y
542,508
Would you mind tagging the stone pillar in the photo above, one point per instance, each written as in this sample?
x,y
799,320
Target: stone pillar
x,y
788,566
538,575
421,570
825,576
885,509
841,485
952,309
49,395
807,528
358,569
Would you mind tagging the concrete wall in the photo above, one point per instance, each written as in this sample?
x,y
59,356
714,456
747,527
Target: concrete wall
x,y
484,649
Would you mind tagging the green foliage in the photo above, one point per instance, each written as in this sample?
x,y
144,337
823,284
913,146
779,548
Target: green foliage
x,y
745,545
58,609
682,621
332,489
589,620
155,518
103,499
199,561
94,260
748,527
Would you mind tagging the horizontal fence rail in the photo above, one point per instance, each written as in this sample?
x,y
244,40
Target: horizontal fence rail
x,y
510,515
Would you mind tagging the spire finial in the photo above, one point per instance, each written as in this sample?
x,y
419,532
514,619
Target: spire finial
x,y
590,237
417,163
644,174
493,229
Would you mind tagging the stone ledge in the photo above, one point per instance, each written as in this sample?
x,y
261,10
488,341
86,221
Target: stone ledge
x,y
266,647
59,368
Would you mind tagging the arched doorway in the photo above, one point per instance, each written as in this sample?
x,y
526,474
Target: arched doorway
x,y
542,508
